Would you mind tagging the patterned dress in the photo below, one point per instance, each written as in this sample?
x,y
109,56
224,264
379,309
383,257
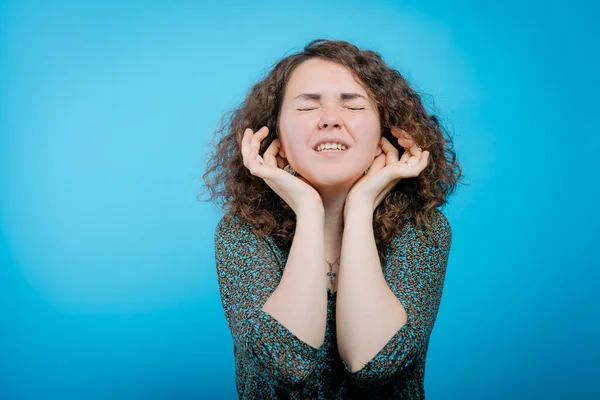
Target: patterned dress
x,y
272,363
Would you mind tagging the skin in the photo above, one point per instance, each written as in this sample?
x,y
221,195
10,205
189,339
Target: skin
x,y
303,122
334,200
331,183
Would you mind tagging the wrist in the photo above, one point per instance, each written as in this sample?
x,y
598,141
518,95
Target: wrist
x,y
358,207
313,208
359,203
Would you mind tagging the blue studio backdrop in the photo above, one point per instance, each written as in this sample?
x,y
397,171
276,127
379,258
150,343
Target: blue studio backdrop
x,y
108,286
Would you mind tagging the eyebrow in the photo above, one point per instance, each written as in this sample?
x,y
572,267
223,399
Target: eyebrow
x,y
317,96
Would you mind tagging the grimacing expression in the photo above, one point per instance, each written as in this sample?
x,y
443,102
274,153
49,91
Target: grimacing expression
x,y
323,100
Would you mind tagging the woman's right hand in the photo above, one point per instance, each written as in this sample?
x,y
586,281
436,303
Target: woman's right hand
x,y
295,191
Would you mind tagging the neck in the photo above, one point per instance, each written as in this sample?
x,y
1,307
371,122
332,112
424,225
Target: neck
x,y
333,204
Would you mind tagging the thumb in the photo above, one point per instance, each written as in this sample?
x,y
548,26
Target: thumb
x,y
379,162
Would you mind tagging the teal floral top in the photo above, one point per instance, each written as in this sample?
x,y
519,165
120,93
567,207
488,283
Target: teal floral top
x,y
272,363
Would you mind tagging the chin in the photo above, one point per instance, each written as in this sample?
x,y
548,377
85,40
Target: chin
x,y
332,180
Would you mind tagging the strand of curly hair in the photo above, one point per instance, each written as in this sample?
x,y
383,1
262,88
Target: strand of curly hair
x,y
233,189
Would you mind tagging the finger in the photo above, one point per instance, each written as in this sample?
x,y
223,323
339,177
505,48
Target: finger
x,y
377,165
391,153
259,136
424,159
271,152
405,156
280,161
255,144
411,155
416,157
246,138
419,165
249,154
252,155
404,139
415,150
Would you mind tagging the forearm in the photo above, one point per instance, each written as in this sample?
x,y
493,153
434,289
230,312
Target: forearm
x,y
368,313
300,300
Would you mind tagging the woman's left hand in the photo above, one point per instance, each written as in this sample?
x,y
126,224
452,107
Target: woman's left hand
x,y
387,169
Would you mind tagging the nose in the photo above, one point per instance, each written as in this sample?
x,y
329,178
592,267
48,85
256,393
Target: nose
x,y
330,118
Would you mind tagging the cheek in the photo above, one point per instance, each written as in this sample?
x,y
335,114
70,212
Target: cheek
x,y
295,129
367,131
293,140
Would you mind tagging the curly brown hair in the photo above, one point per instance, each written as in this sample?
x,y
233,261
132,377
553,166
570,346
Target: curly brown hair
x,y
234,189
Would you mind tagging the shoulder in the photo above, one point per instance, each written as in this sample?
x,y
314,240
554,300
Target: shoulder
x,y
437,221
233,224
441,225
231,227
442,231
234,230
229,221
438,233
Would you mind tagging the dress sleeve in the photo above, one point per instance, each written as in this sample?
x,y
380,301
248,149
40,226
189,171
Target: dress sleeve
x,y
248,272
415,270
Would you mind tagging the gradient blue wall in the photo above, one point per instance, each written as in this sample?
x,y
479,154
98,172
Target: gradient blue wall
x,y
107,277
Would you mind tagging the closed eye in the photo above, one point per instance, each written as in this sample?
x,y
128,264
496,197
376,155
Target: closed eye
x,y
350,108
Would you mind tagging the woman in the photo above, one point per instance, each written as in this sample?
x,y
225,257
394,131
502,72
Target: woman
x,y
331,255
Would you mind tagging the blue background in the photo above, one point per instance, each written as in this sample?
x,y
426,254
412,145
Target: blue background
x,y
107,281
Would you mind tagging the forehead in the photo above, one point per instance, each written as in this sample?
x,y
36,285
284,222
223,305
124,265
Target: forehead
x,y
322,76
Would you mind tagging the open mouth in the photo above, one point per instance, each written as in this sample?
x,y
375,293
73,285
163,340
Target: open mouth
x,y
331,151
331,148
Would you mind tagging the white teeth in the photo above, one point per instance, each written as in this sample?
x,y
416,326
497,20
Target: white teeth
x,y
331,146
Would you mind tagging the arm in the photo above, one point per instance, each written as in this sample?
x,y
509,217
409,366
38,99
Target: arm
x,y
300,300
276,327
385,318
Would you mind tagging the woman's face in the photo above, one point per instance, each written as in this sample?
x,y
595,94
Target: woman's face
x,y
323,103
